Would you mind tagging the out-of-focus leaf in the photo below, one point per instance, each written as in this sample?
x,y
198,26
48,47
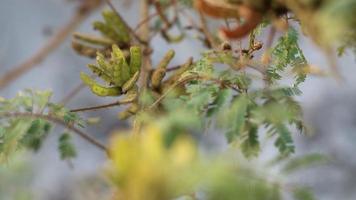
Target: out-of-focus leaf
x,y
303,193
304,161
65,147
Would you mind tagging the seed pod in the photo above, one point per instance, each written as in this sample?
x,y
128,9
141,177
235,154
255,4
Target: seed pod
x,y
114,22
84,50
121,71
130,96
130,111
135,59
101,73
185,67
105,30
86,79
100,59
131,82
159,73
106,91
94,40
172,38
99,89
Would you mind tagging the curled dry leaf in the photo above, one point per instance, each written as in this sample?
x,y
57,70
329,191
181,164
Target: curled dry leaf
x,y
219,9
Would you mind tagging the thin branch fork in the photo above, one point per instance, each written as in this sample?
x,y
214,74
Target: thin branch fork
x,y
56,120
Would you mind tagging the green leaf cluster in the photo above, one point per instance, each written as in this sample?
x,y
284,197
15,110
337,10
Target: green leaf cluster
x,y
237,107
26,120
286,54
66,147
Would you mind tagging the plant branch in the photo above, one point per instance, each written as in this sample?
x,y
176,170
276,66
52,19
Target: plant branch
x,y
144,21
56,120
145,35
118,103
72,93
191,78
80,15
205,30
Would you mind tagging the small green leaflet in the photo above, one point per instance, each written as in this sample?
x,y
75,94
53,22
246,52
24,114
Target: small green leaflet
x,y
66,147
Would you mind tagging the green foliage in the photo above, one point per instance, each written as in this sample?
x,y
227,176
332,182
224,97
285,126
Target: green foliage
x,y
303,193
244,185
250,144
305,161
16,177
340,15
65,147
26,121
215,91
35,135
236,117
286,54
238,108
11,136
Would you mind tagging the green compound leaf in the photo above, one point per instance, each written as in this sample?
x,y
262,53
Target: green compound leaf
x,y
287,53
235,117
221,99
305,161
11,136
284,141
250,145
35,135
66,147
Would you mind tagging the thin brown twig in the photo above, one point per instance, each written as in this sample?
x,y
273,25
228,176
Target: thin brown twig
x,y
270,38
56,120
80,15
161,14
92,108
145,35
206,31
144,21
174,68
72,93
190,78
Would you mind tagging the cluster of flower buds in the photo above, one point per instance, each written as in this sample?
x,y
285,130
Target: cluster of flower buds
x,y
119,76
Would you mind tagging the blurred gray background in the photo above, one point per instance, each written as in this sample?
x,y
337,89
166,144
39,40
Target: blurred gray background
x,y
25,25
